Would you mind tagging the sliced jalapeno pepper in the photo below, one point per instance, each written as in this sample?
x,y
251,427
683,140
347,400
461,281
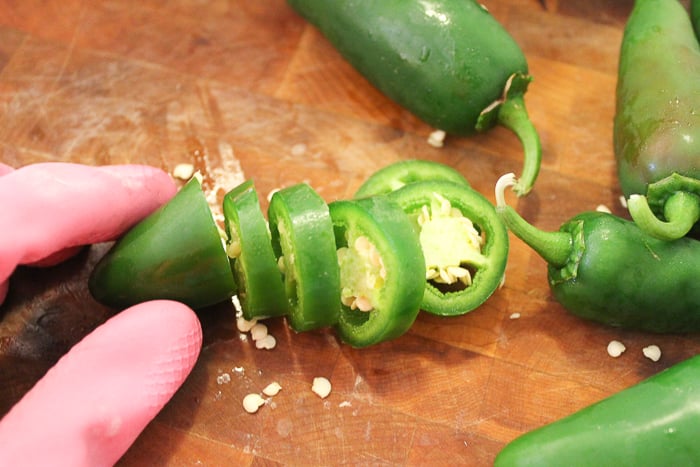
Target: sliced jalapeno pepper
x,y
381,270
396,175
303,241
175,253
464,242
260,287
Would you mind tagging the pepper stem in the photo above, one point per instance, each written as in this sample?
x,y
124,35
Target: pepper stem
x,y
681,210
513,115
553,247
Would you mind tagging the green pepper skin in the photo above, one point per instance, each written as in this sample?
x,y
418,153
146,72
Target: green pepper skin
x,y
394,176
653,423
384,223
449,62
302,235
474,206
695,16
175,253
260,287
656,131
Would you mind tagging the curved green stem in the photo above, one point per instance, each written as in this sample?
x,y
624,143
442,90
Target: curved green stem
x,y
513,115
553,247
681,210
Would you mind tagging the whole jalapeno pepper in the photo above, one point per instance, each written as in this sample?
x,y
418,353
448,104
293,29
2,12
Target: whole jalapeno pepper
x,y
464,242
304,244
652,423
260,288
449,62
175,253
606,269
381,270
657,119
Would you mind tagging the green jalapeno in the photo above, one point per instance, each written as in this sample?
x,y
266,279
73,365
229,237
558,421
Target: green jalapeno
x,y
304,244
175,253
606,269
381,270
657,119
695,16
449,62
260,287
394,176
463,240
652,423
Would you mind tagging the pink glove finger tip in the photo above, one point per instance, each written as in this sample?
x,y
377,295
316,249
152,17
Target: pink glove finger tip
x,y
93,404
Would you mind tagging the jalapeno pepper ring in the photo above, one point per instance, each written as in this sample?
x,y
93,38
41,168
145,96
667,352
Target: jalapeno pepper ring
x,y
302,238
382,270
463,240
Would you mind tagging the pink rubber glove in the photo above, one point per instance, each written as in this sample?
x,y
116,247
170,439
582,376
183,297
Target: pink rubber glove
x,y
90,407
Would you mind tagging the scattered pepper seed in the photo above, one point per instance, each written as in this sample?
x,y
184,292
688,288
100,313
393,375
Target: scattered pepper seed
x,y
183,171
272,389
437,139
321,387
652,352
616,348
252,402
267,343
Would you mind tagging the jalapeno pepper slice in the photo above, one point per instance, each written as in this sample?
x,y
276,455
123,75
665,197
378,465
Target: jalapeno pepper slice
x,y
396,175
464,242
381,270
302,239
175,253
260,287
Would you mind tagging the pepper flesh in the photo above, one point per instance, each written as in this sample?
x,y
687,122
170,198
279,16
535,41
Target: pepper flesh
x,y
396,289
656,129
175,253
448,241
652,423
606,269
449,62
303,241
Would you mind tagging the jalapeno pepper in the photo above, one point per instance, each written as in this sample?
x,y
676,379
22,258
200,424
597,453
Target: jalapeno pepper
x,y
695,16
304,244
464,243
606,269
394,176
260,288
657,121
381,270
175,253
652,423
449,62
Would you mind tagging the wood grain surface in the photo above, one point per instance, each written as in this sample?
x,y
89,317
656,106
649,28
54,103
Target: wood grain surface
x,y
246,89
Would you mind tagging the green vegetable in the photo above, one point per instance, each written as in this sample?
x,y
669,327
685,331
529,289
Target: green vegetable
x,y
606,269
394,176
304,243
464,243
657,120
175,253
260,288
695,16
653,423
381,270
449,62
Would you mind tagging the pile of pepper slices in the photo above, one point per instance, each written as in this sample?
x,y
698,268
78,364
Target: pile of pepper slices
x,y
416,236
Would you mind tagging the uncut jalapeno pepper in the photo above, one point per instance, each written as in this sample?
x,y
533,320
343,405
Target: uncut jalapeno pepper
x,y
652,423
260,288
606,269
657,118
394,176
303,241
381,270
175,253
449,62
463,240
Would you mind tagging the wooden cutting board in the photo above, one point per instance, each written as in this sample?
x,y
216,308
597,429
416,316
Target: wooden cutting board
x,y
249,90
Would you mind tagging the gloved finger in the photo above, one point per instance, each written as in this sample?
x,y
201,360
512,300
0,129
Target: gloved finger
x,y
5,169
91,406
50,208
